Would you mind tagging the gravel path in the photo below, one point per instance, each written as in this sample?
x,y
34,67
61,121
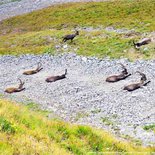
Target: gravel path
x,y
84,97
24,6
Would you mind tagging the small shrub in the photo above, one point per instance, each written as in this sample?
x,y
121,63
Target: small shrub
x,y
106,121
6,126
83,131
150,127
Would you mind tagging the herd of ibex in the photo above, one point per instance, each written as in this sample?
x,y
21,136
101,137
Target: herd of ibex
x,y
114,78
124,74
31,72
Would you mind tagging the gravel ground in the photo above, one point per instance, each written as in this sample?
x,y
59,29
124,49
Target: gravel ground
x,y
24,6
84,97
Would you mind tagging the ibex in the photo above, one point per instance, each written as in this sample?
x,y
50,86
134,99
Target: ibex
x,y
114,78
30,72
142,42
13,89
55,78
70,36
135,86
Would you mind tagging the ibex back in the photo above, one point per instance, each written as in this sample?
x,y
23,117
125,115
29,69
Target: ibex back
x,y
55,78
114,78
34,71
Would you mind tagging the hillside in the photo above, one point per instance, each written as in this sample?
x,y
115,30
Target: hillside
x,y
106,29
26,130
10,8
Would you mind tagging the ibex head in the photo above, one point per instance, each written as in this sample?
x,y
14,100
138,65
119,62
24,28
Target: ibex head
x,y
21,84
124,69
77,32
143,76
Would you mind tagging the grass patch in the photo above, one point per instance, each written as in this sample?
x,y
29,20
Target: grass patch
x,y
6,126
107,121
42,31
24,131
150,127
96,111
124,13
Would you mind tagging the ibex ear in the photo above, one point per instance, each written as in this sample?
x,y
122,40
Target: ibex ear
x,y
65,71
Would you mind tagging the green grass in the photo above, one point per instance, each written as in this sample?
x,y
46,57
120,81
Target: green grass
x,y
150,127
107,121
41,31
25,131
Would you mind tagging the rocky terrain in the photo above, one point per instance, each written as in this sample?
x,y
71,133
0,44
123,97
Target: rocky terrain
x,y
10,8
84,97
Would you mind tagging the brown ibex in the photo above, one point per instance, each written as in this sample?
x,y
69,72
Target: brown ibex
x,y
55,78
70,36
13,89
135,86
124,74
34,71
144,41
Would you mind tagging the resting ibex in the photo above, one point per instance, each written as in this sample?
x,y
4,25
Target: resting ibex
x,y
70,36
13,89
55,78
114,78
135,86
142,42
34,71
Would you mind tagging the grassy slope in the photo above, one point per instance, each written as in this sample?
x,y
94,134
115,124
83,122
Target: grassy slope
x,y
41,31
25,131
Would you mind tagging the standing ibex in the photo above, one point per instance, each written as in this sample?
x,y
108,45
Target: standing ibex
x,y
13,89
124,74
70,36
55,78
142,42
135,86
30,72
